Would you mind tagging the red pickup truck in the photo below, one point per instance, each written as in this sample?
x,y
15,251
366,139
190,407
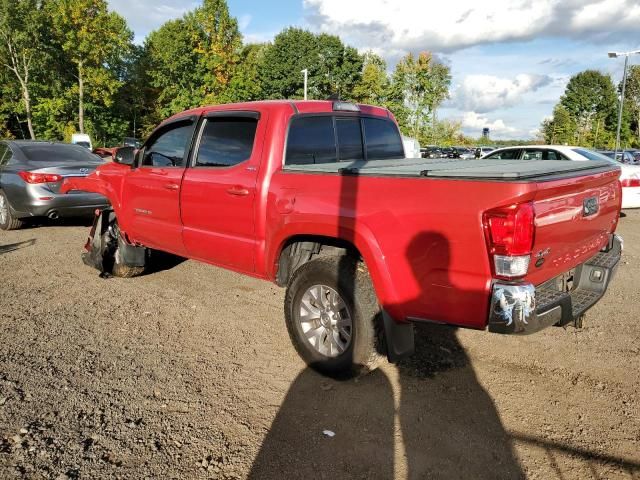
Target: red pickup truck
x,y
318,197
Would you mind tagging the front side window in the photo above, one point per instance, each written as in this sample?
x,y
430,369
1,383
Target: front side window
x,y
504,155
226,141
311,140
169,147
382,139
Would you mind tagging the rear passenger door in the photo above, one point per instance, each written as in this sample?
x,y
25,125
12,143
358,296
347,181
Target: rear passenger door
x,y
219,190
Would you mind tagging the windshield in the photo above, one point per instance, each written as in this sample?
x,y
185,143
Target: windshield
x,y
591,155
58,152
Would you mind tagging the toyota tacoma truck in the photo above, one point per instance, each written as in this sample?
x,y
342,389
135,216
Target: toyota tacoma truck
x,y
317,197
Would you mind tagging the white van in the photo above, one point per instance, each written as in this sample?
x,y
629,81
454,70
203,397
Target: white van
x,y
411,147
82,139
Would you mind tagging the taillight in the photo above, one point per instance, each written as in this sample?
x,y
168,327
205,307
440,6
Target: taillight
x,y
33,177
509,232
630,182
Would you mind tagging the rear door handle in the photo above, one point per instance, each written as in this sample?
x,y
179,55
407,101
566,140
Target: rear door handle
x,y
238,191
172,186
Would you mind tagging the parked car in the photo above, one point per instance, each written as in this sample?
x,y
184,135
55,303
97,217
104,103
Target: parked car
x,y
131,142
83,140
106,154
482,151
30,177
431,152
629,178
318,197
622,157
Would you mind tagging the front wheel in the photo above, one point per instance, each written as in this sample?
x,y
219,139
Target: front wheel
x,y
333,317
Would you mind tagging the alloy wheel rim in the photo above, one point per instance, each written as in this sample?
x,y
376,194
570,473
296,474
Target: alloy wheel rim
x,y
325,320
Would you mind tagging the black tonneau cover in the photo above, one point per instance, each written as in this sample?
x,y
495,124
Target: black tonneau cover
x,y
455,168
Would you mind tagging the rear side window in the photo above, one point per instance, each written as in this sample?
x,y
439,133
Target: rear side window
x,y
311,140
349,139
226,142
382,139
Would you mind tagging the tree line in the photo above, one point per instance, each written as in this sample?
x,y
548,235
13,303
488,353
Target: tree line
x,y
71,66
587,113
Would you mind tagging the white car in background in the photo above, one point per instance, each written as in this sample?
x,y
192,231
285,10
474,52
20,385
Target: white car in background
x,y
629,179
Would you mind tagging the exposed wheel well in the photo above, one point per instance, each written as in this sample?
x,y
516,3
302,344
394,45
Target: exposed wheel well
x,y
301,249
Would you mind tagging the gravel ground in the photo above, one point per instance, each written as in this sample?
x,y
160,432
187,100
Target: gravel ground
x,y
188,372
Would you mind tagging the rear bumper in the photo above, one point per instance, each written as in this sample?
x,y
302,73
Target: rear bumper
x,y
525,308
72,205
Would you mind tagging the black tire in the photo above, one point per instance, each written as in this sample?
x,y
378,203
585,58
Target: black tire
x,y
119,269
124,271
10,222
350,279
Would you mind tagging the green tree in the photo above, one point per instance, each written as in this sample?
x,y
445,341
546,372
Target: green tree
x,y
218,45
590,99
95,40
374,82
21,47
560,128
632,100
334,69
419,86
246,85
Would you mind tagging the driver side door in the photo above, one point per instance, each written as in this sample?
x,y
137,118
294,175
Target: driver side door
x,y
151,192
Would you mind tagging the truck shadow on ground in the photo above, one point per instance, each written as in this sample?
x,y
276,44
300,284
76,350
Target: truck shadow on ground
x,y
446,425
433,419
427,417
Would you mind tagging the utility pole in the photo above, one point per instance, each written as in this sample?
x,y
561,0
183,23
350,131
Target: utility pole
x,y
624,82
306,74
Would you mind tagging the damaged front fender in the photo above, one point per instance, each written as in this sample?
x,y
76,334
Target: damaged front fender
x,y
106,246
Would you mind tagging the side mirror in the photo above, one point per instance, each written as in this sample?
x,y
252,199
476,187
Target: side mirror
x,y
125,156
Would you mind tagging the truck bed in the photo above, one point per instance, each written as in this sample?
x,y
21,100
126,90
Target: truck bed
x,y
457,168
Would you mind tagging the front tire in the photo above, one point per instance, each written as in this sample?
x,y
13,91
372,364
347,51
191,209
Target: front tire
x,y
333,317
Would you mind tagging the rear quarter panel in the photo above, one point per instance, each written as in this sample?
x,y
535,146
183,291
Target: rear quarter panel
x,y
422,239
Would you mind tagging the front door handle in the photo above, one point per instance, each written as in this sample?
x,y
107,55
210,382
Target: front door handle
x,y
172,186
238,191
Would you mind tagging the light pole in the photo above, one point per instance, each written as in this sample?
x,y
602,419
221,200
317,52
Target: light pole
x,y
624,83
306,73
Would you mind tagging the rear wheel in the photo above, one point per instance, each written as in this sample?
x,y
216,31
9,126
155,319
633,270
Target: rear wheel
x,y
7,221
332,316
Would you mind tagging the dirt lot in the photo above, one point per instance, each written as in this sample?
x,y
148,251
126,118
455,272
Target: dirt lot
x,y
188,373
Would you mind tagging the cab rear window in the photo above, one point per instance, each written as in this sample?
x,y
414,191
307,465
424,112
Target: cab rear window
x,y
330,138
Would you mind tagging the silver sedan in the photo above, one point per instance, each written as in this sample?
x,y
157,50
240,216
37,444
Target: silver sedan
x,y
31,173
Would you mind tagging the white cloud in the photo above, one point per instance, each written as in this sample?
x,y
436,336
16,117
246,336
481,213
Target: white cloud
x,y
447,26
485,93
144,16
473,123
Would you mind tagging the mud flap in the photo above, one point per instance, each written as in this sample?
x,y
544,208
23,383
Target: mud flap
x,y
399,338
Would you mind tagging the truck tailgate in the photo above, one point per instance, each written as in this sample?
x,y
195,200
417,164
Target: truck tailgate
x,y
573,218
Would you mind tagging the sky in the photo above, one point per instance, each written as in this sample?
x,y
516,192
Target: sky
x,y
510,60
